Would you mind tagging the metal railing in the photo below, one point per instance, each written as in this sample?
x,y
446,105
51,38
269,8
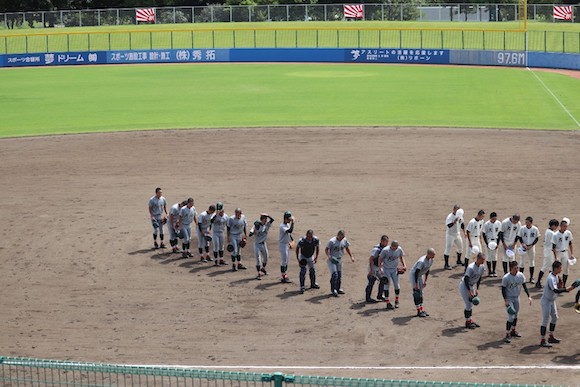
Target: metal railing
x,y
37,372
410,11
544,41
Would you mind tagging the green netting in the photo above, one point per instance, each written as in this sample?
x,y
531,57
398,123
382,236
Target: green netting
x,y
16,371
547,41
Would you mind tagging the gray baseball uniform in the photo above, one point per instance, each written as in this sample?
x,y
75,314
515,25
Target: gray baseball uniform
x,y
423,265
390,260
549,309
187,216
218,231
473,275
260,246
156,206
203,227
236,227
513,287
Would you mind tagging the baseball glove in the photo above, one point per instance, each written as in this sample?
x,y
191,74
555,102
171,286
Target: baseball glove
x,y
243,243
577,308
576,283
560,283
303,262
401,270
511,310
230,248
292,244
208,238
164,221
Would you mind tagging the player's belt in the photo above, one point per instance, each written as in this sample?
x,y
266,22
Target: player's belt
x,y
563,251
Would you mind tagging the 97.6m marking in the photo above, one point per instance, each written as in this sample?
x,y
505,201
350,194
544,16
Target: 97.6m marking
x,y
508,58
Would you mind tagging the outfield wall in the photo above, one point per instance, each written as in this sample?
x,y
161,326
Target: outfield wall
x,y
312,55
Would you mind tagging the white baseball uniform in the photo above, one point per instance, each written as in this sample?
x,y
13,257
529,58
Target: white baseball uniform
x,y
527,237
510,231
562,241
474,229
548,250
490,233
452,235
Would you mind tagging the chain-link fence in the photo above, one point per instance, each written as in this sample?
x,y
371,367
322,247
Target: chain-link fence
x,y
411,11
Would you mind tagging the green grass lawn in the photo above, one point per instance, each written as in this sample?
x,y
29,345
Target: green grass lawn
x,y
111,98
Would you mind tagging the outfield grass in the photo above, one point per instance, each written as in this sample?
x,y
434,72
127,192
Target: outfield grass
x,y
110,98
550,37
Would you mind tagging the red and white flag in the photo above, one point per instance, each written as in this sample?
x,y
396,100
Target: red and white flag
x,y
563,12
145,15
355,11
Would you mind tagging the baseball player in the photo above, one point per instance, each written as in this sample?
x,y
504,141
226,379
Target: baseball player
x,y
236,232
549,253
562,246
528,236
490,234
334,251
173,224
260,230
187,217
473,235
453,225
284,240
469,288
507,237
158,212
511,287
307,250
204,237
374,271
219,222
389,260
552,288
418,278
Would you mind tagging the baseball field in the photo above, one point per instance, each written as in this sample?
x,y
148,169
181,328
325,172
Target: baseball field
x,y
371,149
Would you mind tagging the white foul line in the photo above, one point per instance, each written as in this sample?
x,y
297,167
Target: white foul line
x,y
556,98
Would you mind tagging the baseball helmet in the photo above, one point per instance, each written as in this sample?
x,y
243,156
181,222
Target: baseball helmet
x,y
492,245
511,310
219,206
510,253
230,248
243,243
475,300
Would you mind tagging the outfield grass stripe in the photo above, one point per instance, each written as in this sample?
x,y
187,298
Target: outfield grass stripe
x,y
555,97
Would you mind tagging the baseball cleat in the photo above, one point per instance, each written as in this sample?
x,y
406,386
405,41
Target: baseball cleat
x,y
507,339
203,260
471,325
543,343
241,267
155,245
263,270
421,314
515,333
216,263
184,255
335,293
162,245
371,301
222,262
538,285
446,267
553,340
532,280
381,298
340,291
314,286
390,306
259,277
396,303
176,250
302,290
234,267
189,254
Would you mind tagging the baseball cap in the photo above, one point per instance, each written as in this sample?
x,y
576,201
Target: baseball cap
x,y
257,224
219,206
287,214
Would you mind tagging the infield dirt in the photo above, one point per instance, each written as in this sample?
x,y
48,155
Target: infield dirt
x,y
81,282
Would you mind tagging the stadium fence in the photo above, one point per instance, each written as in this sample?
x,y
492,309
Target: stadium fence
x,y
460,39
405,11
16,371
